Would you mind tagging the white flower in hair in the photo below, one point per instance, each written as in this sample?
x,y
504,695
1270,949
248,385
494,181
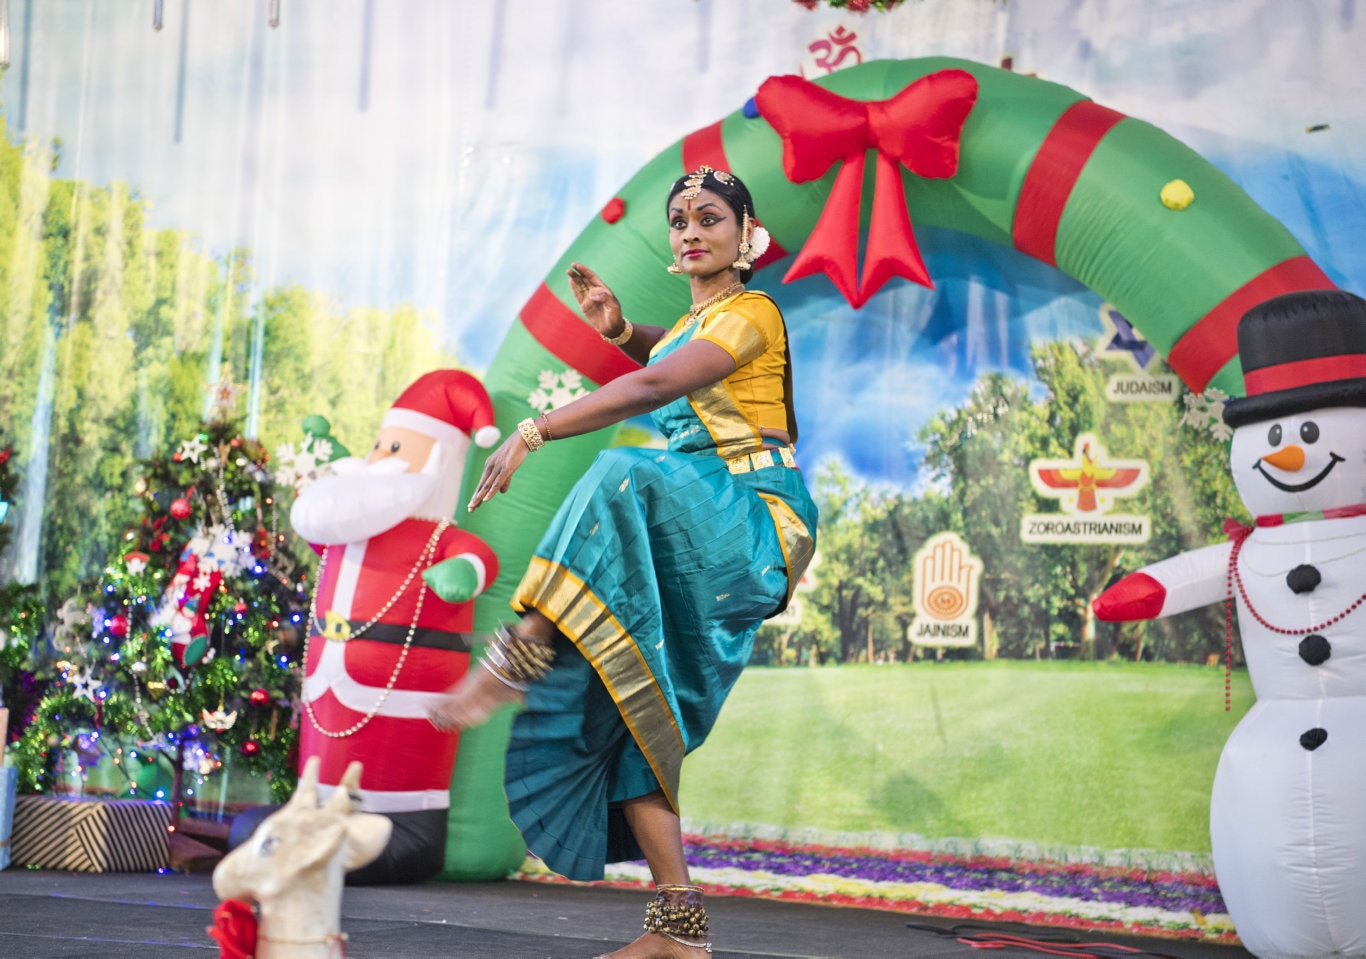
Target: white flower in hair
x,y
758,243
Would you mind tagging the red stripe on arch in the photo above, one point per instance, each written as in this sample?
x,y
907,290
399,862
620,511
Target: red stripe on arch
x,y
705,147
565,334
1204,349
1048,184
1323,369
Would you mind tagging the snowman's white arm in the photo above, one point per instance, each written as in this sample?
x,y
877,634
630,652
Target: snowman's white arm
x,y
1183,582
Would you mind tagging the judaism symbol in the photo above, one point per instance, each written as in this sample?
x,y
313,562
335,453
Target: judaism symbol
x,y
1127,340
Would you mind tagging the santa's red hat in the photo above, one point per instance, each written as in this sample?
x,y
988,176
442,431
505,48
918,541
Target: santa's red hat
x,y
445,405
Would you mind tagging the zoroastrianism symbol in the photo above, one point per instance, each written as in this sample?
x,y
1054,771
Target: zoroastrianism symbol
x,y
1086,487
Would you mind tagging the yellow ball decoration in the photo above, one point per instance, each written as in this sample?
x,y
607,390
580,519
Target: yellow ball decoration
x,y
1177,195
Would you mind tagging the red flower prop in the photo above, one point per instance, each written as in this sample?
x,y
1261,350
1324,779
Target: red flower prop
x,y
234,929
919,128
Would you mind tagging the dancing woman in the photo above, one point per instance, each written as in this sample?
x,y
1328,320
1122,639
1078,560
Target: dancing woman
x,y
640,605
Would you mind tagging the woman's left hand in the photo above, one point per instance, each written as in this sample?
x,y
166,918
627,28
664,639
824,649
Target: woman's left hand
x,y
498,470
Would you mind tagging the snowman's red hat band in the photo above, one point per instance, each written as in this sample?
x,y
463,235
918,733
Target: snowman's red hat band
x,y
1299,352
1287,376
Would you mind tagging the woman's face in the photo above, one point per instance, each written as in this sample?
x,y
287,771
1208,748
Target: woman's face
x,y
704,233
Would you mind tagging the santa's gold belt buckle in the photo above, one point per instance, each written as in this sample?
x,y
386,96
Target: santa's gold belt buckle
x,y
336,626
748,462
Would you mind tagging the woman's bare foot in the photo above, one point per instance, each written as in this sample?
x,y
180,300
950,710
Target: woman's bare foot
x,y
652,945
472,701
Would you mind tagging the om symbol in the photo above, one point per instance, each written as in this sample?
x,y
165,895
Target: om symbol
x,y
829,53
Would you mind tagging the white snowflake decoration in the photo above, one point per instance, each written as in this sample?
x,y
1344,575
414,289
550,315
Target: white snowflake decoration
x,y
201,582
1205,413
554,390
301,467
84,685
192,449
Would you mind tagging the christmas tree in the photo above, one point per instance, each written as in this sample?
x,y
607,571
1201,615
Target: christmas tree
x,y
187,650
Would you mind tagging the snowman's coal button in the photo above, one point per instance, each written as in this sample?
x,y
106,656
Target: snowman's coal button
x,y
1315,650
1303,578
1314,738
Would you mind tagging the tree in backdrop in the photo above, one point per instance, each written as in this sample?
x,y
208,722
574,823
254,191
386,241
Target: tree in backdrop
x,y
115,334
185,653
21,618
1035,600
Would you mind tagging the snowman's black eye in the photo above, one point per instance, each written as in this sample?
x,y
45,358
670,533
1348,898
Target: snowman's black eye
x,y
1309,432
1273,435
395,446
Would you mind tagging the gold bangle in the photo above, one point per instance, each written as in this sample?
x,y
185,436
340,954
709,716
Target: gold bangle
x,y
623,336
531,436
545,418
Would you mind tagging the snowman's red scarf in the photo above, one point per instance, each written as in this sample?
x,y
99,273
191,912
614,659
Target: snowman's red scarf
x,y
1239,533
1337,512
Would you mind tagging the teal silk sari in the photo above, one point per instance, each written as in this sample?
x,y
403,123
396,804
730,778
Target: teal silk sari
x,y
657,569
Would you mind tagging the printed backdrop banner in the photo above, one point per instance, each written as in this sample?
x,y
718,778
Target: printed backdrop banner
x,y
320,208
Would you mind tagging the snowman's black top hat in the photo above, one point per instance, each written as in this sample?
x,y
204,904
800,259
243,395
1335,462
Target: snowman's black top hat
x,y
1300,351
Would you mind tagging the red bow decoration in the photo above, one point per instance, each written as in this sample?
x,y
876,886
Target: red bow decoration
x,y
1236,531
919,127
234,929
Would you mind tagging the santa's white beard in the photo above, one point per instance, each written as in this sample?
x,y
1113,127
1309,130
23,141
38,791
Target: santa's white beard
x,y
362,499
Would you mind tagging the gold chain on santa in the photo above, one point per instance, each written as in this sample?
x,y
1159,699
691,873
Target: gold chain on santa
x,y
422,561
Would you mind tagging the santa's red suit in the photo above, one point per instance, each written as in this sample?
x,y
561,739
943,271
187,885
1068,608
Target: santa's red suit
x,y
365,697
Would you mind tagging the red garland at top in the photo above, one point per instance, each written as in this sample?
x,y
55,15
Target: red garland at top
x,y
919,127
854,6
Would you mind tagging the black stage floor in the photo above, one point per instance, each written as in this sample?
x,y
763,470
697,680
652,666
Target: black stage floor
x,y
53,915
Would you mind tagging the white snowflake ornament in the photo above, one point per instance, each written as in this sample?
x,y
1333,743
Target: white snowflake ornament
x,y
554,390
1205,413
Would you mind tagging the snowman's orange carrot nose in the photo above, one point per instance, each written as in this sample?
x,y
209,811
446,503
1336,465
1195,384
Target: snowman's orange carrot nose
x,y
1289,458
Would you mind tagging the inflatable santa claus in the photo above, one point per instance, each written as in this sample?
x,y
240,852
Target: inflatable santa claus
x,y
391,611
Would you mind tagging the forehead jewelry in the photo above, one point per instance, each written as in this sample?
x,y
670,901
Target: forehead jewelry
x,y
692,186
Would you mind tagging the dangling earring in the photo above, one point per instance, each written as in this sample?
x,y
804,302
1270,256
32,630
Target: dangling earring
x,y
743,261
674,268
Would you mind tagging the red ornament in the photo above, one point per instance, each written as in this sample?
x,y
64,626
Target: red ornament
x,y
614,209
5,454
259,697
118,626
251,747
239,607
180,508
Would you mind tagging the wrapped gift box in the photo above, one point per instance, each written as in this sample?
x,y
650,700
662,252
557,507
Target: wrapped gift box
x,y
91,835
9,778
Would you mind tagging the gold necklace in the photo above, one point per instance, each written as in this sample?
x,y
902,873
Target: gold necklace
x,y
697,309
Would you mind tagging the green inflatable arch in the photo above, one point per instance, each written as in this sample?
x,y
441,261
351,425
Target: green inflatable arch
x,y
1037,167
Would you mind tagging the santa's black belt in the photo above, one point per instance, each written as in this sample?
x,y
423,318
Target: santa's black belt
x,y
397,633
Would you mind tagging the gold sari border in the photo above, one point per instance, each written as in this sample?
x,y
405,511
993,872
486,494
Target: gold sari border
x,y
613,653
794,539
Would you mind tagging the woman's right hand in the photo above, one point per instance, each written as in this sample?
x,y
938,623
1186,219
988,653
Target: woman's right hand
x,y
598,304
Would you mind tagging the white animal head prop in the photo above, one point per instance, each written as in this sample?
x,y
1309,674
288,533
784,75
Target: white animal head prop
x,y
304,846
1299,442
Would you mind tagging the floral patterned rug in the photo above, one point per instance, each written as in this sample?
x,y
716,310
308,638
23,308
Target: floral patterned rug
x,y
970,884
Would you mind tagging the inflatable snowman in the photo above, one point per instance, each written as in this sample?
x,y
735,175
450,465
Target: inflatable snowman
x,y
1288,810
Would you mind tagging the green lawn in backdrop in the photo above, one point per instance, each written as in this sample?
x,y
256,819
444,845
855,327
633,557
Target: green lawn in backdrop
x,y
1111,755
